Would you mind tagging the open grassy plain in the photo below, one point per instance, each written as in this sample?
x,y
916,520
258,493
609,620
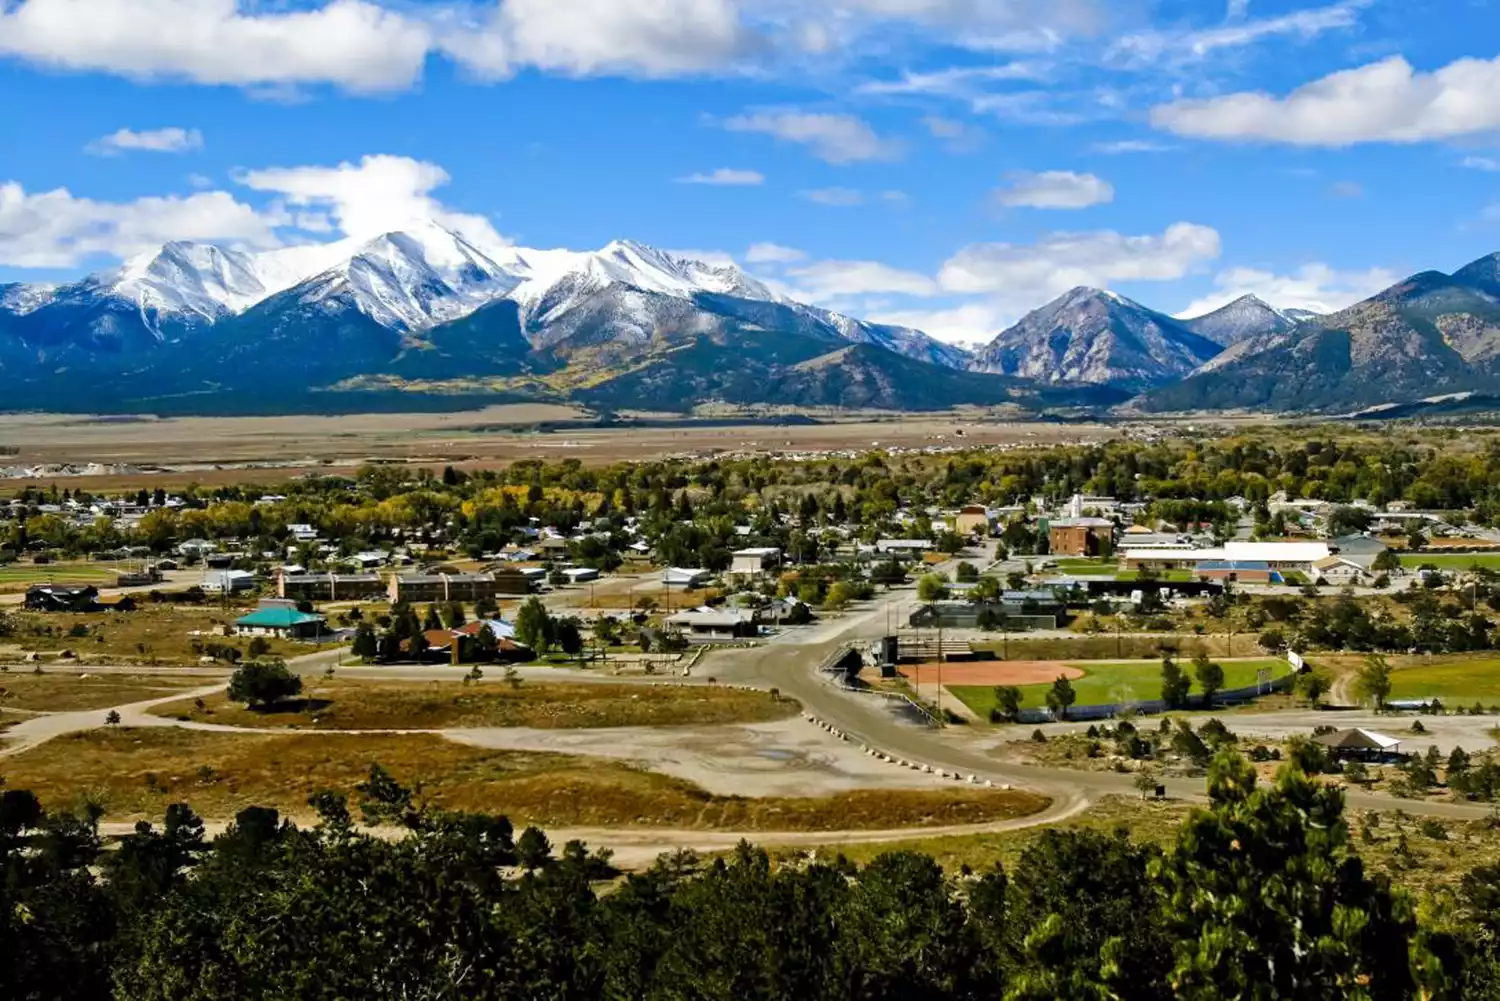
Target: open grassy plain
x,y
150,452
137,773
56,691
154,635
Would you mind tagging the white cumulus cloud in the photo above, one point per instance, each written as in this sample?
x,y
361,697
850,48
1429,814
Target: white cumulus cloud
x,y
773,253
1386,101
377,195
1045,269
1315,287
169,140
650,38
726,177
56,229
832,137
349,43
1054,189
829,280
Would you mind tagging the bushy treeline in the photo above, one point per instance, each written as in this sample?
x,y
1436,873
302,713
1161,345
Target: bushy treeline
x,y
690,507
1260,896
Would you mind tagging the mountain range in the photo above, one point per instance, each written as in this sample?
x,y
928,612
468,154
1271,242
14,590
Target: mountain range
x,y
1429,336
426,317
425,313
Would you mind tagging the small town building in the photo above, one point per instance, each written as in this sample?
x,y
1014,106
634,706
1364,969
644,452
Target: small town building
x,y
707,625
1081,536
196,547
415,588
904,549
115,603
1282,557
60,598
973,520
1359,743
1239,571
581,575
280,618
685,577
330,586
1340,571
750,562
227,581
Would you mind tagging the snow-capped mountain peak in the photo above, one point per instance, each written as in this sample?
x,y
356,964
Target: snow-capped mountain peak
x,y
184,277
1246,317
413,278
424,276
1089,335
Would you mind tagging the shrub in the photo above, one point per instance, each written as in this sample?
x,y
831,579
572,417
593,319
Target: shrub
x,y
261,683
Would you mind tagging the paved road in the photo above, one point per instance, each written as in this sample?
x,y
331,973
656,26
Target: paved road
x,y
788,662
792,670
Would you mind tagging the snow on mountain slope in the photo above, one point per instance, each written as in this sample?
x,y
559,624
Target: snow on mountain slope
x,y
1092,336
18,299
554,281
412,280
426,276
1246,317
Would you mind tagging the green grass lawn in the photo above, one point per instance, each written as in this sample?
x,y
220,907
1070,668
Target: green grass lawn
x,y
1122,681
61,573
1296,578
1453,561
1161,576
1086,566
1457,682
1093,567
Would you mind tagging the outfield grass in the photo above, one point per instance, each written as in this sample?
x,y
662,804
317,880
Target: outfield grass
x,y
1458,682
18,576
430,705
1087,567
136,774
1125,681
1160,577
1452,561
70,692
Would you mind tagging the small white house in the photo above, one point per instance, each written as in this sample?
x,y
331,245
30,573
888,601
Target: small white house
x,y
228,581
684,577
1339,571
196,547
581,575
749,562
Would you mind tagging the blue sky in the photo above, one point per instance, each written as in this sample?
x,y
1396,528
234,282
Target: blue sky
x,y
945,163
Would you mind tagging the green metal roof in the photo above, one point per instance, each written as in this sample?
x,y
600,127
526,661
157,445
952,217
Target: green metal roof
x,y
277,618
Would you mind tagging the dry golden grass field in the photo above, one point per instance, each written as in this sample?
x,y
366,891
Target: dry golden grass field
x,y
336,705
57,691
137,773
218,450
